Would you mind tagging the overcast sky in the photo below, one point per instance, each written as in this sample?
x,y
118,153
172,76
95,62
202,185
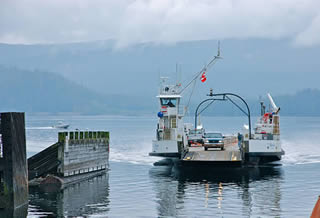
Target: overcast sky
x,y
162,21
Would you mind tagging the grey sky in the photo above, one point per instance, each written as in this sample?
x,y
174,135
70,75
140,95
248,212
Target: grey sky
x,y
162,21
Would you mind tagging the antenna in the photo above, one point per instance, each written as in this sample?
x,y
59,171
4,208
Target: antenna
x,y
262,109
177,73
180,73
218,55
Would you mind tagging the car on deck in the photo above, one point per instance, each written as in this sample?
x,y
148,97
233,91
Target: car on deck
x,y
213,140
195,136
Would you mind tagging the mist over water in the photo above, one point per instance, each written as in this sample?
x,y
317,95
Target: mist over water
x,y
134,187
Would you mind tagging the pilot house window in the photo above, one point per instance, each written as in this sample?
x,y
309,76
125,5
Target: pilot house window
x,y
170,102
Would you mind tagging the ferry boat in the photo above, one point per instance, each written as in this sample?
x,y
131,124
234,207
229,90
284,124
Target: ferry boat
x,y
171,141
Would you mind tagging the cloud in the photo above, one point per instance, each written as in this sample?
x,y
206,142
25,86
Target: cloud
x,y
159,21
311,35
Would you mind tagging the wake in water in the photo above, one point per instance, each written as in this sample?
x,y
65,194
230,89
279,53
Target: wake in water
x,y
297,152
301,152
40,127
132,153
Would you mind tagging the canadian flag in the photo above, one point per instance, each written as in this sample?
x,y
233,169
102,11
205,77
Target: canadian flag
x,y
203,77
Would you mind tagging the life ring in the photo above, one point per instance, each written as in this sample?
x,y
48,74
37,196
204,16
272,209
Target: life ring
x,y
265,117
164,109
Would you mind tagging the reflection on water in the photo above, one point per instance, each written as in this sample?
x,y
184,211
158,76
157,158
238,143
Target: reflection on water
x,y
14,213
81,199
220,191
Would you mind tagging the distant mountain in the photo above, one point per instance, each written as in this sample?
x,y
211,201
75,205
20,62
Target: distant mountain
x,y
36,91
249,67
304,103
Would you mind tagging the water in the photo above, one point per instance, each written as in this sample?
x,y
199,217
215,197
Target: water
x,y
135,188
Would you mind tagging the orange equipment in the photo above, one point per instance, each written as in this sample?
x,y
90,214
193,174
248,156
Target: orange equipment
x,y
316,210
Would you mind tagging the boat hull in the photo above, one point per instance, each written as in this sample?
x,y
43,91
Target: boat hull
x,y
165,154
209,163
263,157
166,148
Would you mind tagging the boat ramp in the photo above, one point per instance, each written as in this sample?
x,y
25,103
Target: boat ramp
x,y
230,155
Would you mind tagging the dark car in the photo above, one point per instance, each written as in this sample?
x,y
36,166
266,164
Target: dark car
x,y
213,140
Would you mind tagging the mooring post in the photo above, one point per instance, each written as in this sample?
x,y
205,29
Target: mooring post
x,y
13,163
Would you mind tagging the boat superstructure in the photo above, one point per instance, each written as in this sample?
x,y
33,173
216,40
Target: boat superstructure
x,y
264,145
170,132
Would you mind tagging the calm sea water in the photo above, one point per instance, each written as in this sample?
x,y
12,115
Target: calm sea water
x,y
135,188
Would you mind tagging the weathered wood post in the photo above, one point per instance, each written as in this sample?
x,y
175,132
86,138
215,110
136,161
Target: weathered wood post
x,y
13,163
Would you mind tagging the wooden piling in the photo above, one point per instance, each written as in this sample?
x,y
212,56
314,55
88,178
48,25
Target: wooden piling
x,y
13,163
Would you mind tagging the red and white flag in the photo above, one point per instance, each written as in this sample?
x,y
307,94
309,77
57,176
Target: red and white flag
x,y
203,77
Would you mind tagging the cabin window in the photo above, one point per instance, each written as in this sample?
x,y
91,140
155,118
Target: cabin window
x,y
173,122
170,102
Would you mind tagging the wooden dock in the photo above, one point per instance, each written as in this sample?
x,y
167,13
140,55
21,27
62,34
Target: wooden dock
x,y
76,156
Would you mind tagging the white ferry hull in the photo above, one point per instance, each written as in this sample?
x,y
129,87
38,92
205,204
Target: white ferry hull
x,y
263,157
165,148
267,146
264,151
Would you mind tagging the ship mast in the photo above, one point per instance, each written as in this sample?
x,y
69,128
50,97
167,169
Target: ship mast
x,y
205,69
